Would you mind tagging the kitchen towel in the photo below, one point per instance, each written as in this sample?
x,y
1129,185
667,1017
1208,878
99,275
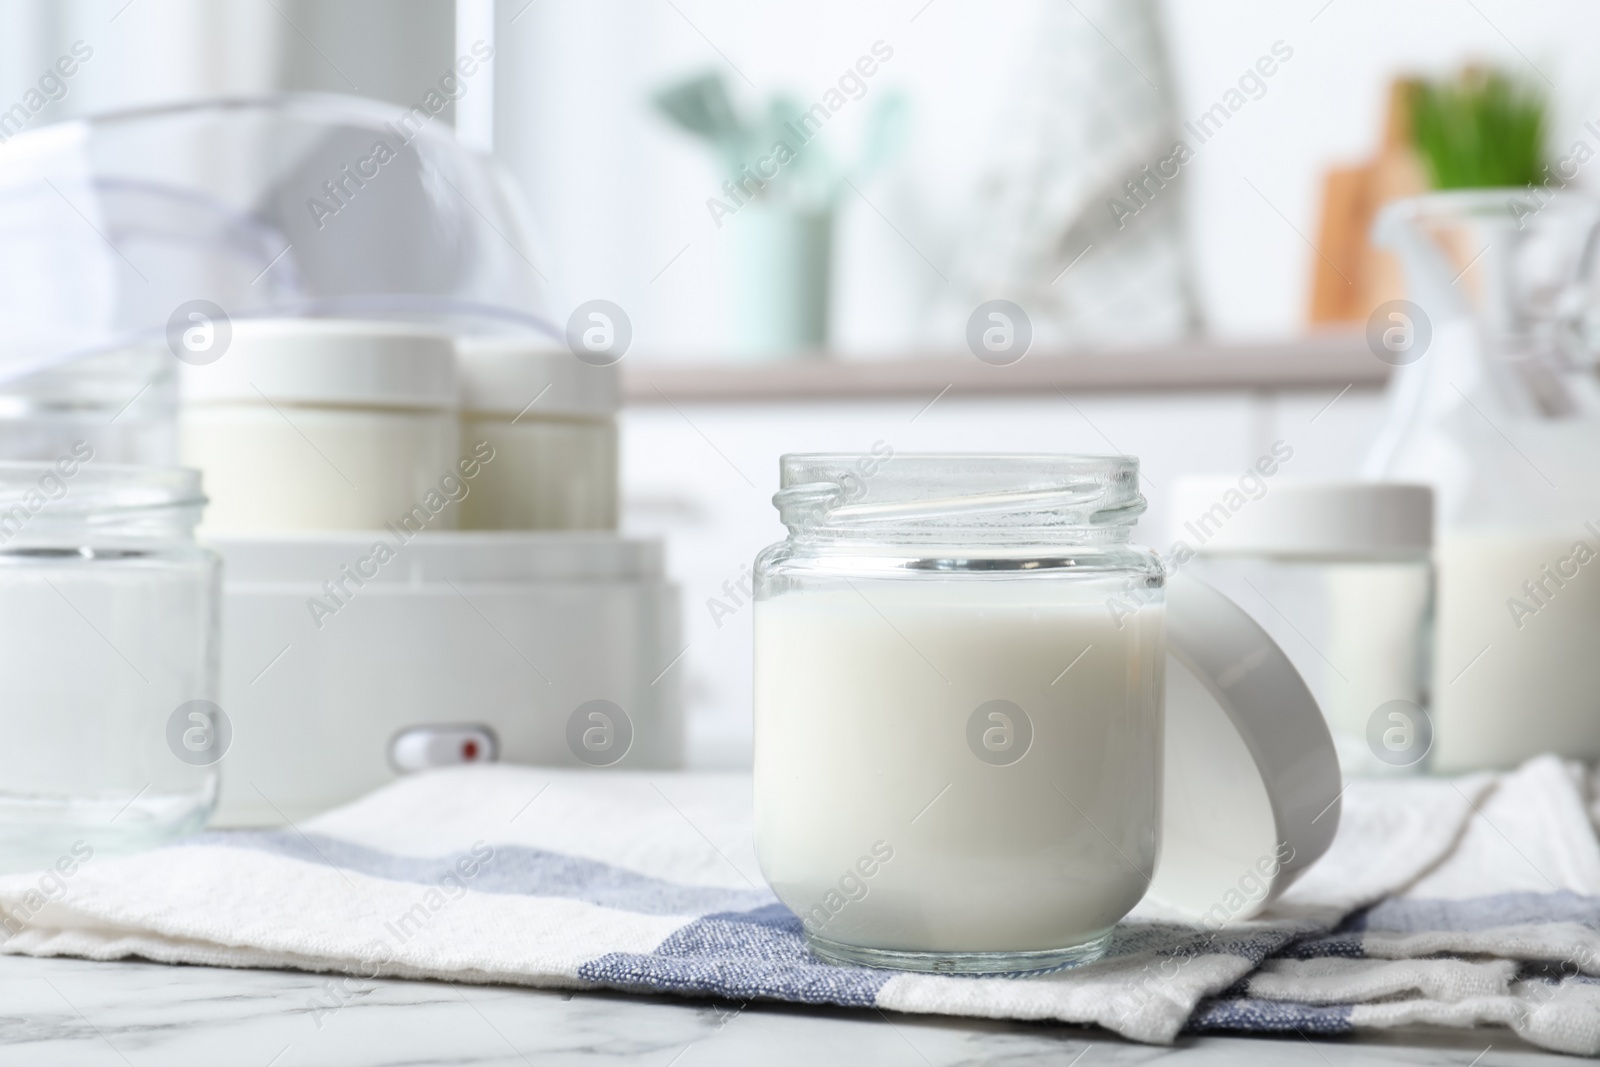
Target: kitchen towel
x,y
1504,930
1466,902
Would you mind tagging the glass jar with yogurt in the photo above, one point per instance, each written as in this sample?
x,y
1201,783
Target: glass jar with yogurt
x,y
960,664
109,648
325,424
1341,574
551,420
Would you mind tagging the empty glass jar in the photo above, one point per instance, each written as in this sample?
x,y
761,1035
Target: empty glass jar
x,y
108,646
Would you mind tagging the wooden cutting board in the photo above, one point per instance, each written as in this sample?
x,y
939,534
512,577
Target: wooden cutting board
x,y
1350,276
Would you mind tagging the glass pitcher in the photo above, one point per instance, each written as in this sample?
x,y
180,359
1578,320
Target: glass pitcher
x,y
1495,402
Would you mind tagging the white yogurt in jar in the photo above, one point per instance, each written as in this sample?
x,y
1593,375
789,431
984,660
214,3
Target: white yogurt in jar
x,y
968,764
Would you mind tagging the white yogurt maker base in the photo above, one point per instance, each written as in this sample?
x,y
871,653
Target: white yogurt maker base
x,y
529,635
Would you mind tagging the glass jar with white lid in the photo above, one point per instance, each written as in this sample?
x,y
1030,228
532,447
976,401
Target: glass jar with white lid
x,y
551,420
961,760
325,424
1341,574
109,648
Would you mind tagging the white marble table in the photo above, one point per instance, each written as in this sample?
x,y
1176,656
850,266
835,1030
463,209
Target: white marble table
x,y
71,1012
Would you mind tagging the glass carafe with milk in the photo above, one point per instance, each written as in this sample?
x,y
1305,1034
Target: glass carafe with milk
x,y
969,740
1495,402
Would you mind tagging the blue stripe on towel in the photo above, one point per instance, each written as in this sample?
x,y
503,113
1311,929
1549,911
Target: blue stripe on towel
x,y
1343,945
513,869
1551,972
741,956
1270,1016
1168,939
1471,914
762,954
1478,913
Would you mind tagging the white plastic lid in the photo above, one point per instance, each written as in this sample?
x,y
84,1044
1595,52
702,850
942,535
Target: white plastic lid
x,y
529,376
342,362
1252,783
1230,514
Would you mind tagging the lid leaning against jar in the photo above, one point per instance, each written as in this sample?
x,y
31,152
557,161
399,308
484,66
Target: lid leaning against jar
x,y
1251,786
1252,783
342,362
526,373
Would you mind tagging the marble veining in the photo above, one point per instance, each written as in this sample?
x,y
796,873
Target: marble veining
x,y
69,1012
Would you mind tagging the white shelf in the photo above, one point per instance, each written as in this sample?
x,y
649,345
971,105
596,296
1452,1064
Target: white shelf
x,y
1335,359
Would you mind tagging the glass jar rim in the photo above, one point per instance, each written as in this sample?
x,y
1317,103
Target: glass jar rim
x,y
108,489
885,495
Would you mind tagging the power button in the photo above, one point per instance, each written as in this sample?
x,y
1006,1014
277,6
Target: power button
x,y
446,745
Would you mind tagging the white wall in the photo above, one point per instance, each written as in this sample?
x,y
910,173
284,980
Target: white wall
x,y
1326,107
156,51
143,52
619,194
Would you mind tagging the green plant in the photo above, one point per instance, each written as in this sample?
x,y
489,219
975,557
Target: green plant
x,y
1479,129
800,173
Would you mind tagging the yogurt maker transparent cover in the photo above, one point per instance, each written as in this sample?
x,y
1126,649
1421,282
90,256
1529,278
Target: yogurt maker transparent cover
x,y
292,205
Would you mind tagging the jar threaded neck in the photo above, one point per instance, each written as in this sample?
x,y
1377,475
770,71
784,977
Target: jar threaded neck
x,y
883,496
